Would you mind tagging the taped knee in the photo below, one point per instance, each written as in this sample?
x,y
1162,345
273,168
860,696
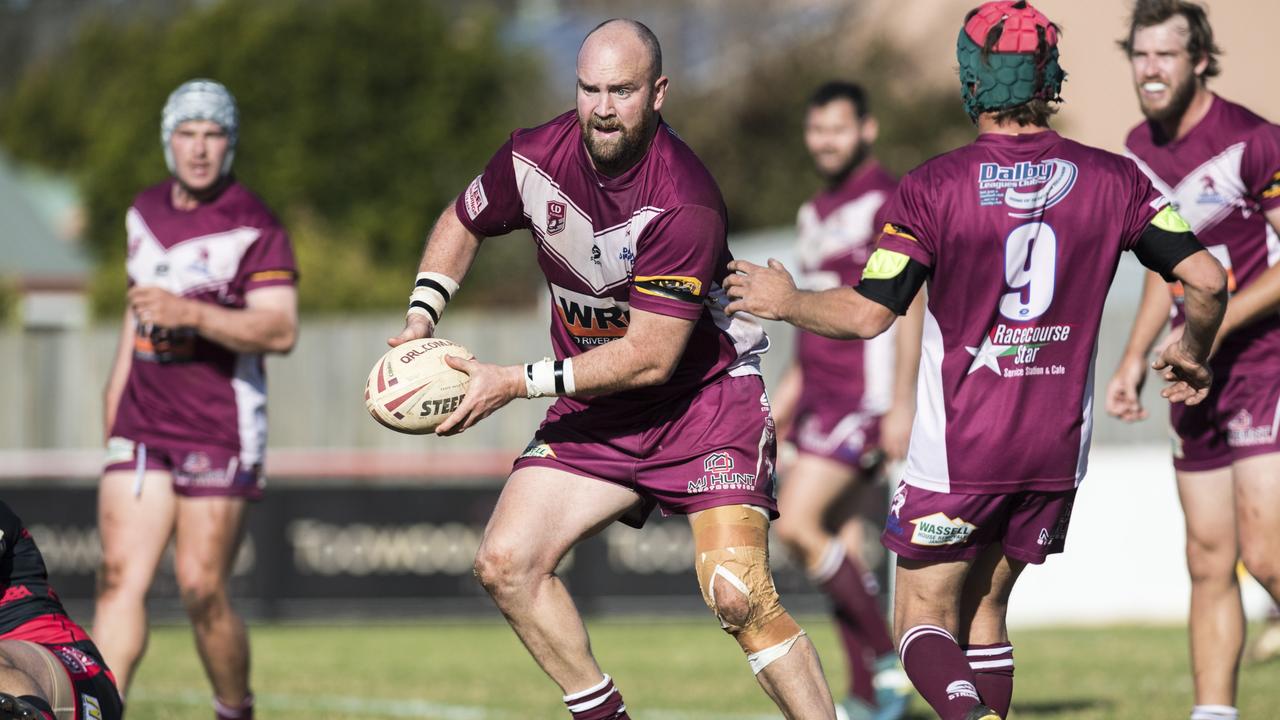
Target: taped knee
x,y
733,574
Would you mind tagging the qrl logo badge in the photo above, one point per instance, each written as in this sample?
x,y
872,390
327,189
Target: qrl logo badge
x,y
555,217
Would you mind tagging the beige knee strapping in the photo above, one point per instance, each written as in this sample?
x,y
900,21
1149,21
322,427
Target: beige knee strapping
x,y
732,556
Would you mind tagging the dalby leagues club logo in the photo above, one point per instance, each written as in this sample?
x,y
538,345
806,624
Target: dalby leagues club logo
x,y
556,213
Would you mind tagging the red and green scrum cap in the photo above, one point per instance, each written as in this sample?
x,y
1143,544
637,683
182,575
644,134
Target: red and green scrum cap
x,y
1012,73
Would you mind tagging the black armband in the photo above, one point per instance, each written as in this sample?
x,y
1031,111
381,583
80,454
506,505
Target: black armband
x,y
1160,249
891,282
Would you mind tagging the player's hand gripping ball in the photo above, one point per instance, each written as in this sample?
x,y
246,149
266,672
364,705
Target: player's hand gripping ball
x,y
412,390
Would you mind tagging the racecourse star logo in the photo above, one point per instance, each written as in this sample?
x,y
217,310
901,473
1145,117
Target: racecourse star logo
x,y
988,354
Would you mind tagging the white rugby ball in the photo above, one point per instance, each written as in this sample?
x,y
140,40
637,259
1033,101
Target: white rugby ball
x,y
411,389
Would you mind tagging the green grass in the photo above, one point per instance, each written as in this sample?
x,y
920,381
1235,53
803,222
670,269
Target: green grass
x,y
668,669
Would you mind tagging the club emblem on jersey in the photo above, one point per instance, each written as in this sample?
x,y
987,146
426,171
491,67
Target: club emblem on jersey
x,y
555,217
1209,194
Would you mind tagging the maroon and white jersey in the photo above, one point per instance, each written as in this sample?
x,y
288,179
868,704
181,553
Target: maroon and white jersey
x,y
1222,177
837,229
1022,234
183,387
651,239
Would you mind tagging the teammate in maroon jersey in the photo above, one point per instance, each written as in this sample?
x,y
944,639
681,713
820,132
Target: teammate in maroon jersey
x,y
211,289
1018,235
49,668
1220,164
660,398
847,404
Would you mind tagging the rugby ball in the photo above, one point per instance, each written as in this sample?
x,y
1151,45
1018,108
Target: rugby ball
x,y
411,389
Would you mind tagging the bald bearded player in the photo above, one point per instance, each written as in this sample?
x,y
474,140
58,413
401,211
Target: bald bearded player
x,y
660,403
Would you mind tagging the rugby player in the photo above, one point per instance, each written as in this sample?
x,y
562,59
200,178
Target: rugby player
x,y
49,668
211,289
1220,165
1018,235
660,403
847,404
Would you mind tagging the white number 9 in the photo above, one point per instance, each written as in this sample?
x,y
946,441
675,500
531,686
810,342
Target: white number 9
x,y
1030,261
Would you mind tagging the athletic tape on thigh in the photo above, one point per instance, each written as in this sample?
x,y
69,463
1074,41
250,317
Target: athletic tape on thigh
x,y
731,544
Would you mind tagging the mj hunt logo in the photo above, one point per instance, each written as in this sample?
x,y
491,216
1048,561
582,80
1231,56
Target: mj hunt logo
x,y
1001,185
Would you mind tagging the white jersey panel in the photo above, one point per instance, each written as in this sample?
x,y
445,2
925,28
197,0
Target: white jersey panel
x,y
927,465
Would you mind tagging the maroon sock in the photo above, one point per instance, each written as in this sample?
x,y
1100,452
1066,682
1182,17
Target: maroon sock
x,y
854,592
993,667
242,711
856,659
602,702
939,670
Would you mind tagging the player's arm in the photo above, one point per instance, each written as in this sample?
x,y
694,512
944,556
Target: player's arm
x,y
1124,391
1261,298
889,284
451,249
267,323
784,398
1168,246
119,372
895,426
647,355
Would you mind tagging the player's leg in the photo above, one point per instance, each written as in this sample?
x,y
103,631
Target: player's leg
x,y
542,513
135,521
1217,617
983,633
1257,489
35,683
731,556
210,530
926,620
813,487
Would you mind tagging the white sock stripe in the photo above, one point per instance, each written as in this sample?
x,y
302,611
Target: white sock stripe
x,y
597,702
1214,712
593,689
985,664
832,557
912,634
983,652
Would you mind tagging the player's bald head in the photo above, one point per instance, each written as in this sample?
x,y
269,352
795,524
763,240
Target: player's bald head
x,y
628,40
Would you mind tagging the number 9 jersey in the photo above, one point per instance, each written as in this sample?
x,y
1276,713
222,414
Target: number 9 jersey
x,y
1020,236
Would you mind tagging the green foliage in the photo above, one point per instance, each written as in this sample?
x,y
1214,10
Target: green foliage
x,y
748,130
358,127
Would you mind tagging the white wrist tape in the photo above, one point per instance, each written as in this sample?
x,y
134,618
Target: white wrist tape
x,y
548,377
431,293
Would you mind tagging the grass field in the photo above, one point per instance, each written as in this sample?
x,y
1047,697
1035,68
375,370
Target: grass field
x,y
667,669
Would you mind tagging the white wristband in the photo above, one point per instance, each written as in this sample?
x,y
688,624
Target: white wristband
x,y
549,377
431,292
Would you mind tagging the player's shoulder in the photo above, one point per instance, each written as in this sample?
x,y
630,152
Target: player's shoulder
x,y
881,179
681,178
1239,118
537,144
247,207
154,197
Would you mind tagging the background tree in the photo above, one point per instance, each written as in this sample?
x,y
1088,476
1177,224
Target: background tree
x,y
357,127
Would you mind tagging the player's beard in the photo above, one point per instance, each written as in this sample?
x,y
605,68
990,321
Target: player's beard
x,y
618,154
860,153
1181,92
